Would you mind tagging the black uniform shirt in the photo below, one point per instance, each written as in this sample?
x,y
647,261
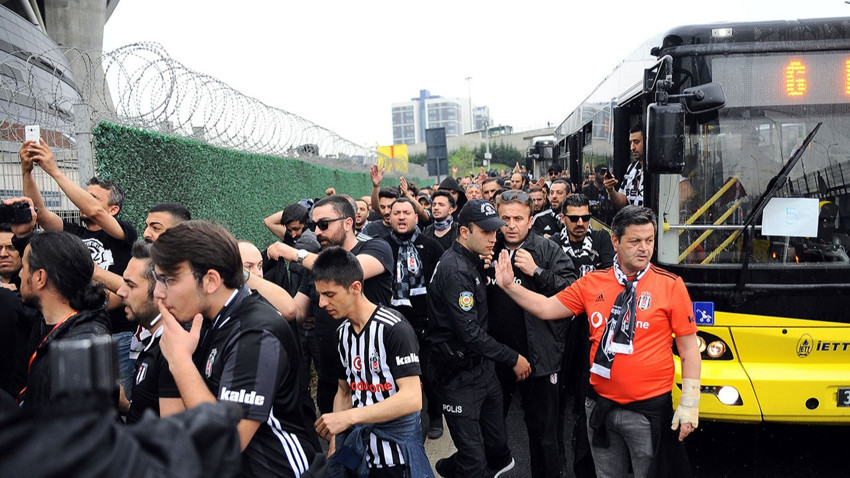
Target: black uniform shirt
x,y
249,357
457,307
153,380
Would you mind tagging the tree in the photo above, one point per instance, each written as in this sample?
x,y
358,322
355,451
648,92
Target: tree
x,y
421,159
463,158
502,153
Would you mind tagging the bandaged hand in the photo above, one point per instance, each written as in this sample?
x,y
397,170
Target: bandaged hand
x,y
688,411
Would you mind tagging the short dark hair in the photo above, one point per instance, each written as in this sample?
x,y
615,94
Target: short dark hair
x,y
69,267
574,200
560,181
490,180
204,246
535,189
142,251
388,193
176,209
637,128
632,216
5,227
337,265
407,200
445,194
342,205
116,194
294,212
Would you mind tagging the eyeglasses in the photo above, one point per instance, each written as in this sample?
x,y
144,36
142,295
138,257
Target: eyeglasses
x,y
167,281
575,218
511,195
322,224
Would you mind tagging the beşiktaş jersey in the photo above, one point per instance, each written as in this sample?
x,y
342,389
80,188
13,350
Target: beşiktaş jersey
x,y
385,350
633,184
248,356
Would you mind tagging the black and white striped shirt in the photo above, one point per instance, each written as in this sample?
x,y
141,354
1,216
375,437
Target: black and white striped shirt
x,y
385,350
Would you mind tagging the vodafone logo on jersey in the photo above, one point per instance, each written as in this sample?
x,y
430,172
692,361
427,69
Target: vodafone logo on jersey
x,y
370,387
357,363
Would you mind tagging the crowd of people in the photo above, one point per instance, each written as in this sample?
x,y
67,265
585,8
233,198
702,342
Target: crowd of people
x,y
413,306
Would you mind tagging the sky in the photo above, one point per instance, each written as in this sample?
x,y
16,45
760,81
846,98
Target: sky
x,y
342,64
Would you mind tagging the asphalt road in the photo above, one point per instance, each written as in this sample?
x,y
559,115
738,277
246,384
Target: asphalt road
x,y
717,449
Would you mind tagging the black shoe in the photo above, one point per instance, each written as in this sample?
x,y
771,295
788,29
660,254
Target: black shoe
x,y
501,471
445,467
436,430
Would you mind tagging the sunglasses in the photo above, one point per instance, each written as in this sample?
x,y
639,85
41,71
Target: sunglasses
x,y
574,218
322,224
511,195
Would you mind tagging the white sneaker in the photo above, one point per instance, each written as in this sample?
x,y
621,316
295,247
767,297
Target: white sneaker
x,y
505,469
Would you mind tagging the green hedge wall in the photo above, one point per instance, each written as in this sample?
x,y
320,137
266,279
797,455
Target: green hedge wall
x,y
232,188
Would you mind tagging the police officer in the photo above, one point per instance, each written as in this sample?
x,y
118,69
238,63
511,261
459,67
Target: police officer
x,y
463,354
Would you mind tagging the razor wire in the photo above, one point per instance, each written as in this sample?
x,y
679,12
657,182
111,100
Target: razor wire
x,y
141,86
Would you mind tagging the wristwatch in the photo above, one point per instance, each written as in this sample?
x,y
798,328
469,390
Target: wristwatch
x,y
246,273
302,254
538,271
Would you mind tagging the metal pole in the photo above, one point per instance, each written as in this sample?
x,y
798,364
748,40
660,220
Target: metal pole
x,y
83,135
469,94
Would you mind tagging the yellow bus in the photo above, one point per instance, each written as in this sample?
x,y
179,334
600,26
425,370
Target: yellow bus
x,y
747,129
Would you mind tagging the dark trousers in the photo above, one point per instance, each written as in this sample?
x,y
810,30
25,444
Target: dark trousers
x,y
574,382
540,403
472,405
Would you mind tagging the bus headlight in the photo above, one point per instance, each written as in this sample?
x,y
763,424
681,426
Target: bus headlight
x,y
716,349
728,396
701,344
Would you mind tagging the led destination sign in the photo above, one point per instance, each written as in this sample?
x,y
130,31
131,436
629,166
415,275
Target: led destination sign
x,y
785,79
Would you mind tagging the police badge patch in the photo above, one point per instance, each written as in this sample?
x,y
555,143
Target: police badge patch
x,y
210,361
466,301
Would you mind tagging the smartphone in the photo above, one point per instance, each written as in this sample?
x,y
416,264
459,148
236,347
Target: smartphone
x,y
32,133
606,173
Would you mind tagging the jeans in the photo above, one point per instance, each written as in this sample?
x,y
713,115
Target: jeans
x,y
126,365
631,437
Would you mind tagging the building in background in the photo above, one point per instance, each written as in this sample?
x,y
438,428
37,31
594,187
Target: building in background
x,y
412,118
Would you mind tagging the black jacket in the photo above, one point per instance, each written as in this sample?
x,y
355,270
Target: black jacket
x,y
545,337
457,308
84,324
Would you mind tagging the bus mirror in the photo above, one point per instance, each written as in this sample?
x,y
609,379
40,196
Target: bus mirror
x,y
665,138
704,98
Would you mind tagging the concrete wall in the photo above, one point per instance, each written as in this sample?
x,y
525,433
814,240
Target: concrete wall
x,y
518,140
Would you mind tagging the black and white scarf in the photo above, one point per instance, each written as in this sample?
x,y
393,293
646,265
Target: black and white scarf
x,y
586,258
620,330
443,225
409,274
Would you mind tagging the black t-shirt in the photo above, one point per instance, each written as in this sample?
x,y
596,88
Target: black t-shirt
x,y
446,240
377,289
371,362
153,380
11,311
112,255
376,229
507,320
250,357
429,253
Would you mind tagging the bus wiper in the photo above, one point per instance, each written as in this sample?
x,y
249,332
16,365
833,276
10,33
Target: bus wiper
x,y
773,186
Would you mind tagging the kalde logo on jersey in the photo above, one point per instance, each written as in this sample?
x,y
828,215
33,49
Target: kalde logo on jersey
x,y
407,359
370,387
241,397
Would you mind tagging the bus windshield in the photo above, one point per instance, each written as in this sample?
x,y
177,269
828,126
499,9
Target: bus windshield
x,y
773,102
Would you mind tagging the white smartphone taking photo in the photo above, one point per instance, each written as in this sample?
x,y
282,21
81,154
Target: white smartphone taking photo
x,y
32,133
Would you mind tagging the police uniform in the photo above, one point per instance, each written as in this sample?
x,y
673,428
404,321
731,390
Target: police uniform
x,y
463,356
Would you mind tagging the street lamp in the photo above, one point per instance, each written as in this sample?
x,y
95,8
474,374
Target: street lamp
x,y
469,97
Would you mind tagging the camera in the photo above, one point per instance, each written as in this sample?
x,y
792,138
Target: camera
x,y
17,213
